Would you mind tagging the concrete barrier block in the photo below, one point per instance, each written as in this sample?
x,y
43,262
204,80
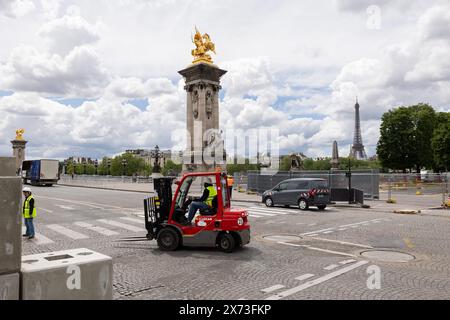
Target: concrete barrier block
x,y
9,286
7,167
78,274
10,224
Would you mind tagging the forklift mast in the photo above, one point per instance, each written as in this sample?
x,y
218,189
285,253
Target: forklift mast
x,y
157,208
163,188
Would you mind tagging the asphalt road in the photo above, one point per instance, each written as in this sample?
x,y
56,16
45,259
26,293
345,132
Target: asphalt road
x,y
292,254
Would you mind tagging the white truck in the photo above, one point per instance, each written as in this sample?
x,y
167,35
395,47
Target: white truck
x,y
40,172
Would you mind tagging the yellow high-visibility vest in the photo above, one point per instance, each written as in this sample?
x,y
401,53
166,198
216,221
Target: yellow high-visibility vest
x,y
26,208
212,194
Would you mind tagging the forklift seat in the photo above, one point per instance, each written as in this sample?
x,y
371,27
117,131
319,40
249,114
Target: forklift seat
x,y
210,211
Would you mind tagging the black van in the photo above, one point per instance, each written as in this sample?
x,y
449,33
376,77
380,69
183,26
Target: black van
x,y
301,192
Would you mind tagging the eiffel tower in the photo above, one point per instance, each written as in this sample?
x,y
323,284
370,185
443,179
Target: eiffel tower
x,y
357,151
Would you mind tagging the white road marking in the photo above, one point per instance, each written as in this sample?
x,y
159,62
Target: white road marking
x,y
358,223
317,281
273,288
141,222
317,231
344,242
318,249
332,252
255,216
67,232
101,230
313,235
263,213
342,229
121,225
331,267
327,232
271,211
347,261
304,277
89,204
312,224
39,238
64,207
46,210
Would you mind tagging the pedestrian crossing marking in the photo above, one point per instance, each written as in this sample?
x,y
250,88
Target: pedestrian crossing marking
x,y
121,225
133,220
304,277
67,232
262,213
331,267
273,288
39,239
101,230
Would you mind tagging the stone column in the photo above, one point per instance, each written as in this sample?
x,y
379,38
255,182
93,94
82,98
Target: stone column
x,y
19,153
203,134
10,229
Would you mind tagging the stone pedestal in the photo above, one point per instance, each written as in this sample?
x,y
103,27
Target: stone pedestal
x,y
204,138
10,218
19,153
79,274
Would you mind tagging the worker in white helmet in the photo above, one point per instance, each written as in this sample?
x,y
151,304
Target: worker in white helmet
x,y
29,212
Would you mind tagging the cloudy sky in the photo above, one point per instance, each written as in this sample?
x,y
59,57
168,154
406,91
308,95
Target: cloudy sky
x,y
93,78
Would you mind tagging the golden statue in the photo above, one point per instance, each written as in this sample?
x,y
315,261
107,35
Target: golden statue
x,y
203,44
19,134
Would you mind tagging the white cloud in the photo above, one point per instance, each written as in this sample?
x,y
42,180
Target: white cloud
x,y
16,8
68,32
79,74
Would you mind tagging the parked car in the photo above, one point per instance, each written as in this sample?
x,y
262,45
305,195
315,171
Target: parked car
x,y
301,192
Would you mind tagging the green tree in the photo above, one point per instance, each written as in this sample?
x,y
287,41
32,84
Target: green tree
x,y
171,169
396,148
424,118
441,142
285,163
405,138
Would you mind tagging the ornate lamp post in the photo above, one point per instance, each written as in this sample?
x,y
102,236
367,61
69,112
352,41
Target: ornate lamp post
x,y
156,154
96,166
84,166
124,164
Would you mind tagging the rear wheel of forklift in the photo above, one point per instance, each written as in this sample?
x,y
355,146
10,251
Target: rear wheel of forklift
x,y
226,242
168,239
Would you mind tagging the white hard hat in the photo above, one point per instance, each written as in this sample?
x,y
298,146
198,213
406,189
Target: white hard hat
x,y
26,189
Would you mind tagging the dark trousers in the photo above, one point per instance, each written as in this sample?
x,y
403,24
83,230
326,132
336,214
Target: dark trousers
x,y
230,191
30,227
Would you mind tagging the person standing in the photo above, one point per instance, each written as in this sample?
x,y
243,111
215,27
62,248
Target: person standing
x,y
230,183
29,212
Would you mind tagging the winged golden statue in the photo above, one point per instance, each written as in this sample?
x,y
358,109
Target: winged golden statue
x,y
19,134
203,45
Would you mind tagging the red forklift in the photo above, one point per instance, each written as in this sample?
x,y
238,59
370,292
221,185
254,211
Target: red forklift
x,y
217,226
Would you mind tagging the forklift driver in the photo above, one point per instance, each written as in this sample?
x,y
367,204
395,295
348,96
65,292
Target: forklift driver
x,y
204,202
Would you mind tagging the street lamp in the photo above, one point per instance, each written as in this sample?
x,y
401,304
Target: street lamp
x,y
124,164
96,166
84,166
349,176
108,162
156,154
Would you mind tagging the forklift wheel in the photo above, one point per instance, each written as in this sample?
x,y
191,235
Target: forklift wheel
x,y
168,239
227,243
